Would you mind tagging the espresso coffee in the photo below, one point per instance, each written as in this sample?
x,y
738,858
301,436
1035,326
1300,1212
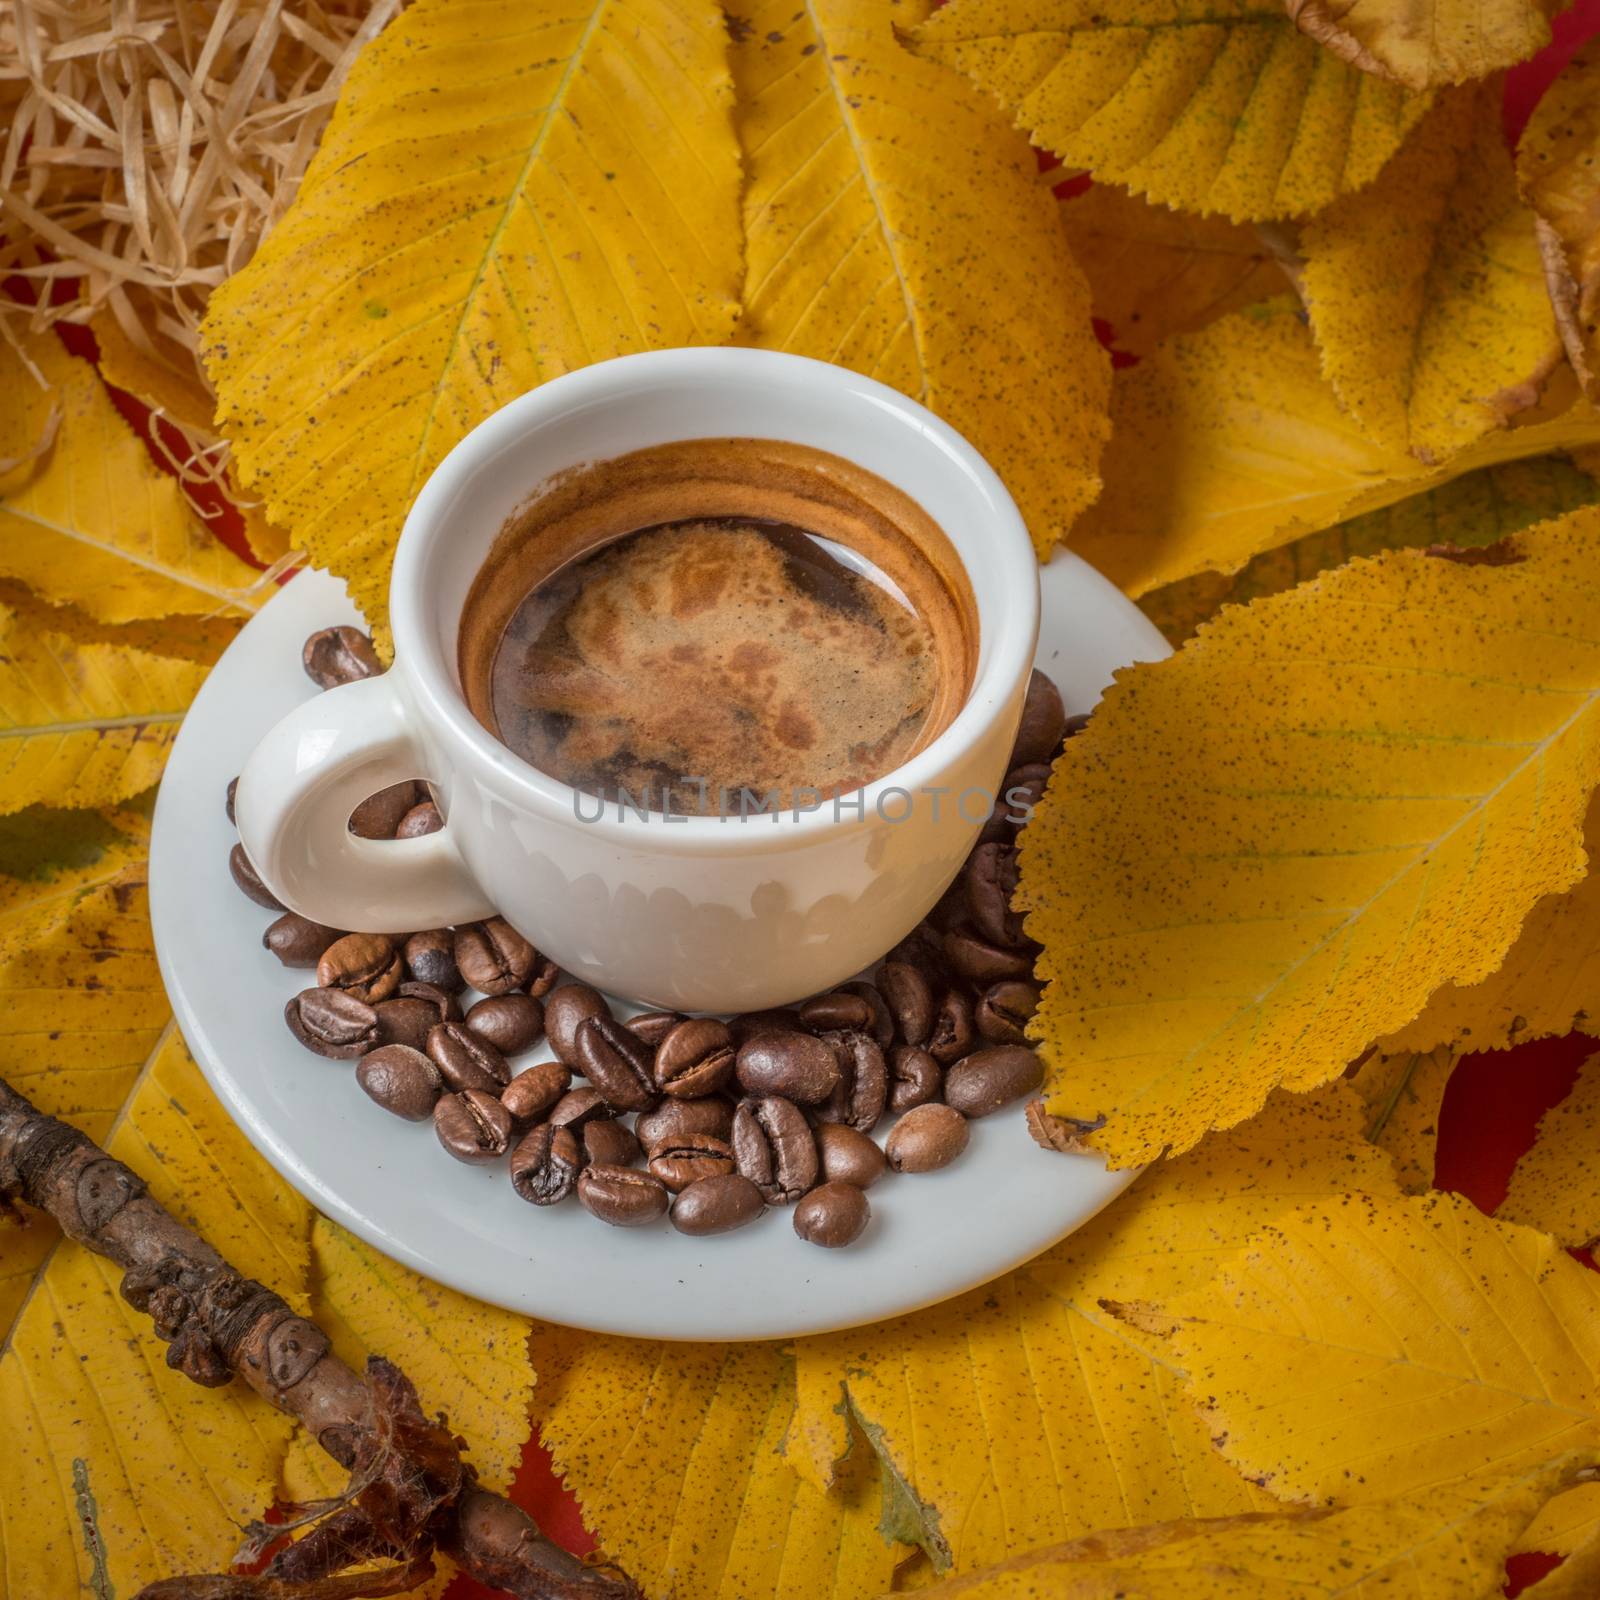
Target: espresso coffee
x,y
723,624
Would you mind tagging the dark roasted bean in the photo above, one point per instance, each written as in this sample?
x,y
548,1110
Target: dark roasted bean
x,y
654,1026
695,1059
926,1138
442,1000
832,1215
1043,728
780,1019
545,1165
795,1065
578,1106
915,1077
682,1119
472,1125
1076,723
863,1089
688,1160
493,956
233,789
617,1063
909,997
543,979
401,1080
378,816
406,1020
464,1060
609,1143
923,949
991,879
430,957
846,1156
366,965
773,1146
832,1012
881,1027
953,1033
339,655
716,1205
622,1196
989,1079
1003,1010
564,1009
531,1094
1020,792
298,941
512,1023
249,881
983,963
332,1023
422,819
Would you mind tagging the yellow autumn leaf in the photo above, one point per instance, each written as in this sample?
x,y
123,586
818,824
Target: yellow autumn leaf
x,y
1224,914
1426,292
1565,1524
1424,43
83,724
29,417
1154,272
1548,984
507,190
1224,108
1403,1095
1451,1541
1556,162
100,526
895,225
675,1454
1254,452
1577,1578
161,374
1475,509
1365,1348
1555,1185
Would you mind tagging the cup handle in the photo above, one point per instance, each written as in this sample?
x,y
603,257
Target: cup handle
x,y
293,807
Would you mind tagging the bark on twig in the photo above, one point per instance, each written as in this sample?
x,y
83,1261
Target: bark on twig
x,y
218,1324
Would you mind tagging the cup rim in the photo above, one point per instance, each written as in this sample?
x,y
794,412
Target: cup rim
x,y
1011,638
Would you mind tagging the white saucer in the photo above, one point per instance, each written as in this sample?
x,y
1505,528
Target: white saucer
x,y
931,1236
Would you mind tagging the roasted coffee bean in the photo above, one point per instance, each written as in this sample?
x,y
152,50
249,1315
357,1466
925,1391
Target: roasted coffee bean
x,y
1076,724
686,1161
949,910
1043,728
989,1079
531,1094
442,1001
914,1077
991,879
716,1205
472,1125
923,950
493,956
881,1027
617,1063
378,816
953,1033
245,876
401,1080
339,655
543,979
545,1165
406,1021
564,1009
695,1059
332,1023
233,789
835,1011
780,1019
578,1106
464,1060
773,1147
653,1026
622,1196
609,1143
420,820
512,1023
832,1215
1020,792
863,1089
926,1138
983,963
846,1156
298,941
430,957
366,965
683,1119
1003,1009
795,1065
909,997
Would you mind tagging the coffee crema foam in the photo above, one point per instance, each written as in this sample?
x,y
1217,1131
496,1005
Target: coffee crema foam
x,y
719,624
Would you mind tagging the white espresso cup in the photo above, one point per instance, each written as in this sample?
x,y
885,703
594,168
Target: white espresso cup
x,y
697,913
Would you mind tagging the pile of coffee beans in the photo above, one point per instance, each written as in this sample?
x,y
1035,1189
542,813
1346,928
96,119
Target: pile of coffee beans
x,y
700,1120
